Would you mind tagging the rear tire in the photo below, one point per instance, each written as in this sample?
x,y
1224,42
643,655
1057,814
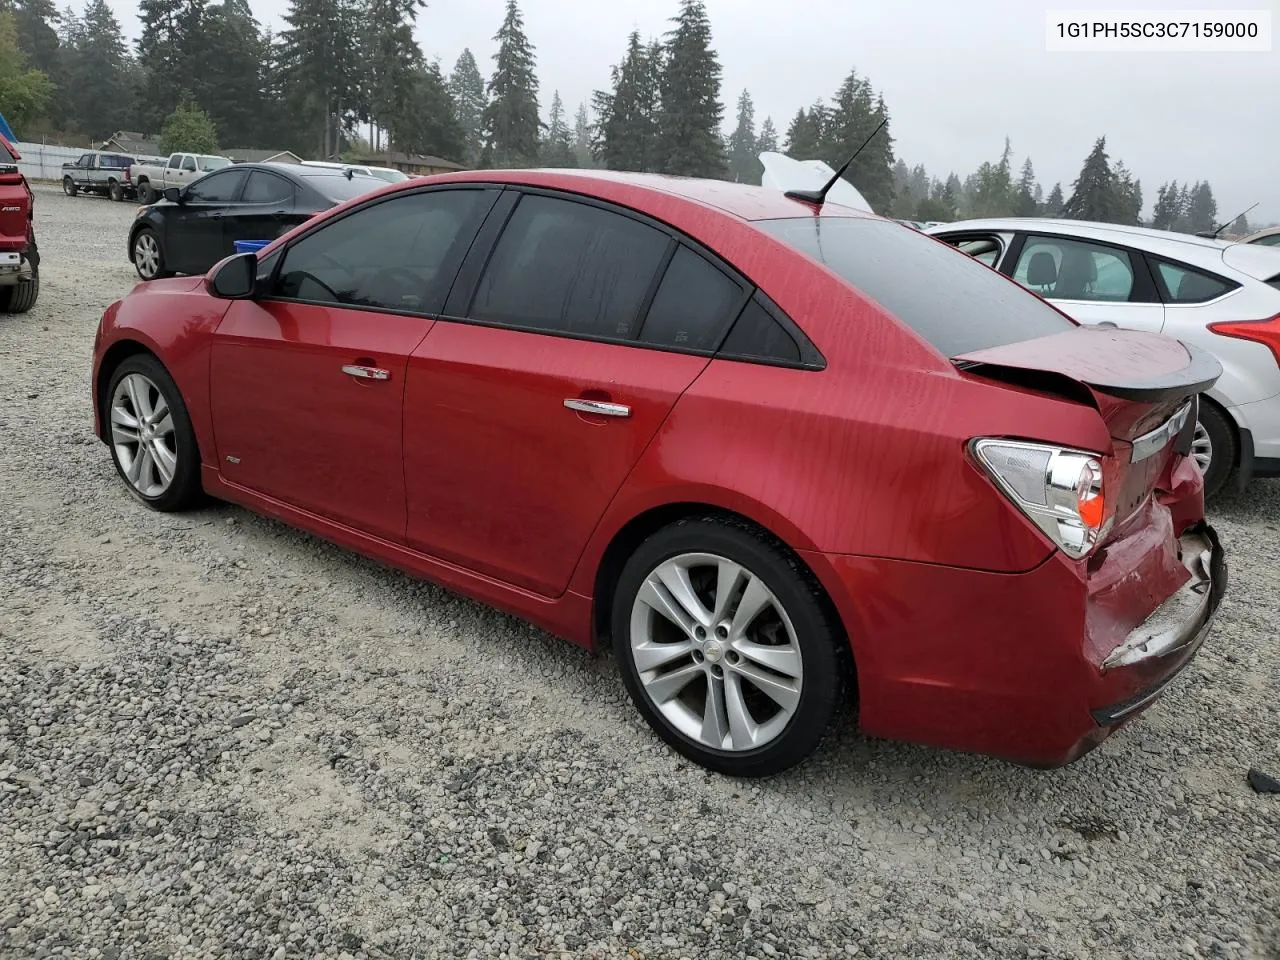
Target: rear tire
x,y
21,296
69,187
756,637
1218,440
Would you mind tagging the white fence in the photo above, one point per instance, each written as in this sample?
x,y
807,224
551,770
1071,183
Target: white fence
x,y
43,161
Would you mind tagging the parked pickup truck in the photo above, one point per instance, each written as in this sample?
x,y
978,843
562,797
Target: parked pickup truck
x,y
179,170
98,172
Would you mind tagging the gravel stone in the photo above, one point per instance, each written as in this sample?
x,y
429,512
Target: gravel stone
x,y
220,737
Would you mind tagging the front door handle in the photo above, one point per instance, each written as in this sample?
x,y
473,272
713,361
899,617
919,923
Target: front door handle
x,y
598,407
366,373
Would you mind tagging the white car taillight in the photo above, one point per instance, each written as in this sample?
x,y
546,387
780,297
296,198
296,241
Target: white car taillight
x,y
1059,490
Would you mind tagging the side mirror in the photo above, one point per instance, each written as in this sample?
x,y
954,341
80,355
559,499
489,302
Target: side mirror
x,y
235,278
173,194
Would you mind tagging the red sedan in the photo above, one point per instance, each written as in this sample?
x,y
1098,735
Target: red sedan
x,y
778,454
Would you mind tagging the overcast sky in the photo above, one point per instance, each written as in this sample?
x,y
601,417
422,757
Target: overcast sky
x,y
957,77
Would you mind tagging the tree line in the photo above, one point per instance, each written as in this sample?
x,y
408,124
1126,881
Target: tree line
x,y
345,75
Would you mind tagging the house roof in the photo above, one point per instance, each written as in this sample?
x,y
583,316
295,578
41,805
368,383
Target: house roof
x,y
248,155
410,159
128,141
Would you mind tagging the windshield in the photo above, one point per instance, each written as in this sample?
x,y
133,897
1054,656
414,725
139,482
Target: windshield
x,y
947,297
213,163
335,186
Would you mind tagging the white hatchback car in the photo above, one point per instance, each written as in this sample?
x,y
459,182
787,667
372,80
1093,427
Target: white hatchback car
x,y
1223,297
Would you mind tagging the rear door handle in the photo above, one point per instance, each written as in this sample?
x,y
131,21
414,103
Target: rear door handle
x,y
366,373
598,407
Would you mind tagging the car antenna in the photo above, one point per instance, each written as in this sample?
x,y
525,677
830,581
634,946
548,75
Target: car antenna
x,y
819,197
1225,224
348,172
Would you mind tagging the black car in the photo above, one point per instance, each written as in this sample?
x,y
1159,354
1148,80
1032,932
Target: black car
x,y
195,226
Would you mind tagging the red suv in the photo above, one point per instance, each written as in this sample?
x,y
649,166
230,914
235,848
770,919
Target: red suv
x,y
776,453
19,258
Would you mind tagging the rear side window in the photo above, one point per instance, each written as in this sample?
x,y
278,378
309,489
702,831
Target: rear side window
x,y
694,304
570,268
1185,285
1062,269
758,336
951,300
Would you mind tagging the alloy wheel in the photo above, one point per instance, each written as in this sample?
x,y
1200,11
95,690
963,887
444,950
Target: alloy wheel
x,y
716,652
143,435
146,255
1202,448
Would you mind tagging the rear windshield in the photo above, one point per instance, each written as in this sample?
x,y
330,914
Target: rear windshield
x,y
334,184
950,299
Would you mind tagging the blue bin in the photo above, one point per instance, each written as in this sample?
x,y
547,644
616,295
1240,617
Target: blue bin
x,y
250,246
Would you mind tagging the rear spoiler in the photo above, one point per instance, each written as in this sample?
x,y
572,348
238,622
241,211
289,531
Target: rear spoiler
x,y
1128,364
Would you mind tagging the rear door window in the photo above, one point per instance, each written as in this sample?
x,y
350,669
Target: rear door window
x,y
954,302
571,268
220,187
1063,269
263,187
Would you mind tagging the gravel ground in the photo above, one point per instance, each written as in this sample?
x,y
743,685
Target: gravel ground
x,y
223,738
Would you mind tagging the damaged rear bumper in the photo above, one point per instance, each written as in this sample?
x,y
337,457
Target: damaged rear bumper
x,y
1160,647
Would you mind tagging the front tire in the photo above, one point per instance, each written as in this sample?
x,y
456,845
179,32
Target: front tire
x,y
1215,449
152,442
145,194
727,648
115,191
69,187
148,256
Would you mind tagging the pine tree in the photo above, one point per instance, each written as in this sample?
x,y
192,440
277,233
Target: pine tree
x,y
36,22
1165,212
1024,202
1202,212
1126,197
557,146
95,66
940,204
768,142
429,124
467,89
855,115
744,167
1182,223
234,74
582,137
389,62
510,120
691,113
804,136
993,190
1093,194
1240,226
319,67
627,125
1054,204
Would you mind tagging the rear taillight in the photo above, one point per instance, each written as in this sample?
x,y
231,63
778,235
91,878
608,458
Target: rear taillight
x,y
128,175
1061,491
1265,332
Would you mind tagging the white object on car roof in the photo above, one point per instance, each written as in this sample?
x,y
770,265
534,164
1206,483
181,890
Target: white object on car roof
x,y
783,173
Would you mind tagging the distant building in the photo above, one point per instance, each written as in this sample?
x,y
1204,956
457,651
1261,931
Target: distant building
x,y
244,155
414,164
134,144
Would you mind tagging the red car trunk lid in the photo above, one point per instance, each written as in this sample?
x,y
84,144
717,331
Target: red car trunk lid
x,y
1137,381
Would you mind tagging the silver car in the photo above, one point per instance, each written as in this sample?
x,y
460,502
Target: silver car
x,y
1215,294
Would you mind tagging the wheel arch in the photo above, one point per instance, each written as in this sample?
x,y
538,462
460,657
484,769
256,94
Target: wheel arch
x,y
116,354
640,527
